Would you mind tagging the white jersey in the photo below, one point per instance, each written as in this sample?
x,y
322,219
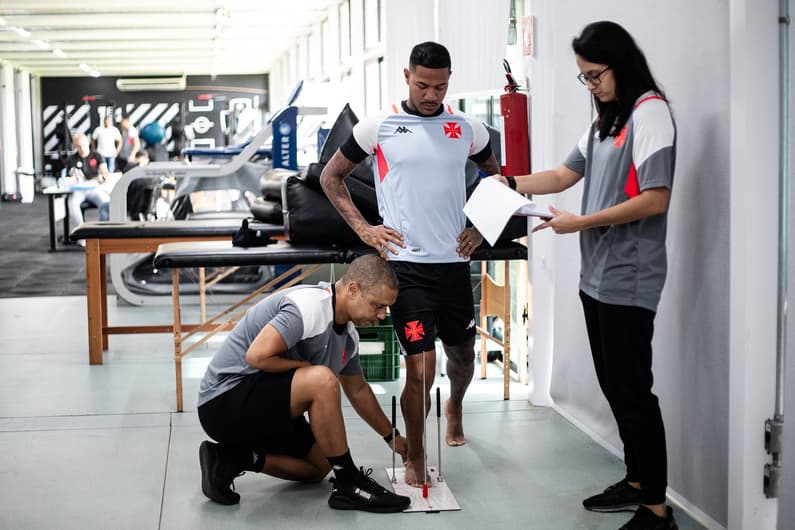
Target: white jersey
x,y
106,138
420,180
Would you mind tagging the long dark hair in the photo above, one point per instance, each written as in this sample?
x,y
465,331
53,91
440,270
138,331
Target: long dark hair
x,y
610,44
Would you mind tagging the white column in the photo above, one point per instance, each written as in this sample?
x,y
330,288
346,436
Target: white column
x,y
24,127
752,320
8,140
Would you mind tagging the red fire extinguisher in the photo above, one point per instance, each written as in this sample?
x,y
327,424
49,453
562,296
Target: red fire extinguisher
x,y
515,130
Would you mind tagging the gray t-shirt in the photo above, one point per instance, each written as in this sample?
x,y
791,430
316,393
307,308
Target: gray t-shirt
x,y
626,264
304,316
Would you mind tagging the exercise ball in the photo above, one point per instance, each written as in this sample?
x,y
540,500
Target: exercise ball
x,y
153,133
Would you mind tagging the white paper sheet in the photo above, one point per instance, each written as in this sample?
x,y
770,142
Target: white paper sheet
x,y
493,203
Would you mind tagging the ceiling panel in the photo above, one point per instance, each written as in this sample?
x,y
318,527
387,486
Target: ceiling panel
x,y
149,37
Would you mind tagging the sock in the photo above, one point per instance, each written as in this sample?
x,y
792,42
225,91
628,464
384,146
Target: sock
x,y
256,463
344,468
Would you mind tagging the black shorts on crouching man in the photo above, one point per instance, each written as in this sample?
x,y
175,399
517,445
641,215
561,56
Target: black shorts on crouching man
x,y
434,299
254,416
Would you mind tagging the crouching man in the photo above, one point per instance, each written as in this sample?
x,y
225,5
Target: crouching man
x,y
287,356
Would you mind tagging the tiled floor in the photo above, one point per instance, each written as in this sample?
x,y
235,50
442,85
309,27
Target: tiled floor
x,y
99,447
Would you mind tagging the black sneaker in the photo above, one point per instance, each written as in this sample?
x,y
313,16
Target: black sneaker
x,y
367,495
620,497
217,475
645,519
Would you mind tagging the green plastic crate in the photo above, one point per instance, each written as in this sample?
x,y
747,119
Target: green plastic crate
x,y
379,352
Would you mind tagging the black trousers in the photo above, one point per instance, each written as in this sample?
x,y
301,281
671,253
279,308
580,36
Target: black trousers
x,y
620,338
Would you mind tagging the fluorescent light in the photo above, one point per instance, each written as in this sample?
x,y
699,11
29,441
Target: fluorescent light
x,y
22,32
94,73
84,67
43,44
59,53
2,21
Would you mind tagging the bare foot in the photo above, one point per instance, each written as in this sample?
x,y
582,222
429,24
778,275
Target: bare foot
x,y
414,474
455,425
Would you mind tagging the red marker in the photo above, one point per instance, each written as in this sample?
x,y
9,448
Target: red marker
x,y
424,491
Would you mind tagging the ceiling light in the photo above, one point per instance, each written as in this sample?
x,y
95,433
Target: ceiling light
x,y
59,53
2,21
43,44
21,32
84,67
93,73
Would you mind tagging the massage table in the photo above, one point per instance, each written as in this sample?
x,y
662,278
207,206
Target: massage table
x,y
305,258
105,238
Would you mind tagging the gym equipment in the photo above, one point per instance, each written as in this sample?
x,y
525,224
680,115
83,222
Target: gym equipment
x,y
153,133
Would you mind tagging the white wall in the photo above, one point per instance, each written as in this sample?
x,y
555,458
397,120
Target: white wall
x,y
405,28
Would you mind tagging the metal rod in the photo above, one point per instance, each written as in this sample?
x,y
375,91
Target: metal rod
x,y
424,433
394,414
439,478
783,205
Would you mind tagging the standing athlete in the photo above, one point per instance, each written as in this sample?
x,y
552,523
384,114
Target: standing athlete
x,y
420,151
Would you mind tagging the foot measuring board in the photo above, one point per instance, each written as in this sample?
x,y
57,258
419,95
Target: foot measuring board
x,y
440,498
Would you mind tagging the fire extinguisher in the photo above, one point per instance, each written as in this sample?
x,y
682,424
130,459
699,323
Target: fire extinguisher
x,y
515,130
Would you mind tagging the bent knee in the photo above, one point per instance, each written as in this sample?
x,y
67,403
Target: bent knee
x,y
319,377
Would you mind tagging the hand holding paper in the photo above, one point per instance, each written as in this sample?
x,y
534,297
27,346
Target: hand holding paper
x,y
493,203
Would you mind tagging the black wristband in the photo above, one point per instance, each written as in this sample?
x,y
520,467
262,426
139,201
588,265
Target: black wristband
x,y
388,438
511,182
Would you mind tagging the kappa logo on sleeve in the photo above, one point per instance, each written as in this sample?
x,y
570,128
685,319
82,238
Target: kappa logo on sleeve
x,y
402,130
452,130
414,331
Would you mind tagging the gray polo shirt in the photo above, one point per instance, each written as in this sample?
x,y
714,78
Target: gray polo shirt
x,y
626,264
304,317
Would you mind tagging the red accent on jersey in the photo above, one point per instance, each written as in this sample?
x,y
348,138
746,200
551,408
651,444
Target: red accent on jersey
x,y
92,162
632,188
452,130
414,331
619,140
344,355
383,167
647,99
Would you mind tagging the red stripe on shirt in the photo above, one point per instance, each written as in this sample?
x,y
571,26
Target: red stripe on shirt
x,y
383,167
632,188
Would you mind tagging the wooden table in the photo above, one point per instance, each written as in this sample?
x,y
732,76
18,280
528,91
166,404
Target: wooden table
x,y
108,237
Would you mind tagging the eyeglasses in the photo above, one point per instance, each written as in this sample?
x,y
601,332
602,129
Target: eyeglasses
x,y
593,79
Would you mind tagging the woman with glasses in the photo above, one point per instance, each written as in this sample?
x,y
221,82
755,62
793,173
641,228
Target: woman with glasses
x,y
626,159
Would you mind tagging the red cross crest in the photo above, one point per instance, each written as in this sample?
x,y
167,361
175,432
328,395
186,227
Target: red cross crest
x,y
414,331
452,130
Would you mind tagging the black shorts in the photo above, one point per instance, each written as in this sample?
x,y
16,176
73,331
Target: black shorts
x,y
255,416
434,299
